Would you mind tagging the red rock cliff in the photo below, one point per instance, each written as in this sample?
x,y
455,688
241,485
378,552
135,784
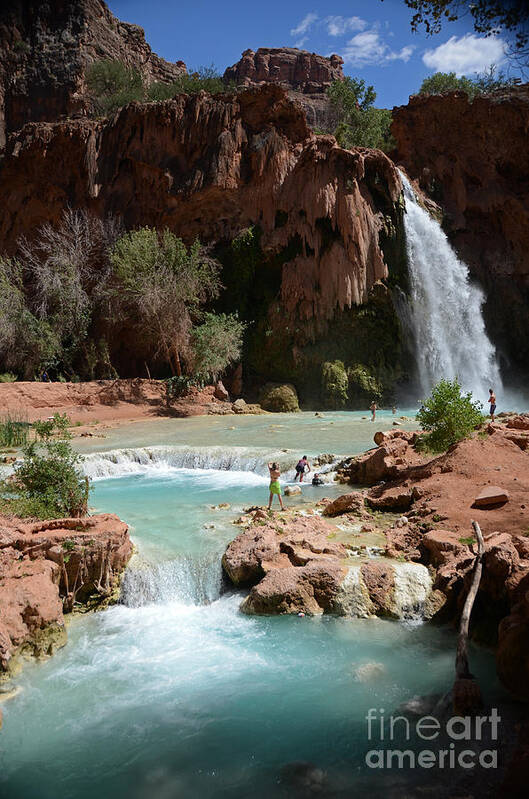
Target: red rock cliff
x,y
209,167
45,49
306,76
473,158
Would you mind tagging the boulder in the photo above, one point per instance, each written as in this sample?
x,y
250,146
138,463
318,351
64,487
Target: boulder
x,y
279,398
490,496
347,503
310,589
221,392
519,422
291,491
239,406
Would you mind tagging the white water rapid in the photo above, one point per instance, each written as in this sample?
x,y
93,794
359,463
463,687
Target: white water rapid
x,y
444,312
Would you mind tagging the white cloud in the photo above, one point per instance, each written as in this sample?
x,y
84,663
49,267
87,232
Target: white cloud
x,y
306,23
337,26
368,48
467,54
300,43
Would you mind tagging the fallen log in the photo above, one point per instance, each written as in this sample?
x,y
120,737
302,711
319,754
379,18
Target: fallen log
x,y
466,692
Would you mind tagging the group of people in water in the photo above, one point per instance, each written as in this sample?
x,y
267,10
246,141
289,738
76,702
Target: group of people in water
x,y
303,466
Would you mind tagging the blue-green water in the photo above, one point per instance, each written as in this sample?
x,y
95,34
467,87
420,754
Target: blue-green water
x,y
177,694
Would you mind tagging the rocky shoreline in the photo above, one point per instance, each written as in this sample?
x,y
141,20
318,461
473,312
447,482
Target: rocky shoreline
x,y
48,570
321,561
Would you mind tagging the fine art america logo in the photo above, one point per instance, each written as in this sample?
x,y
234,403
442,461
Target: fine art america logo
x,y
456,743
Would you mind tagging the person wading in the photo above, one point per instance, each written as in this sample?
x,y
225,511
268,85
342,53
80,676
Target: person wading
x,y
275,487
373,409
301,466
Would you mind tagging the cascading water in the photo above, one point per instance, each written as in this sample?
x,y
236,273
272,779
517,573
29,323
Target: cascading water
x,y
444,314
191,581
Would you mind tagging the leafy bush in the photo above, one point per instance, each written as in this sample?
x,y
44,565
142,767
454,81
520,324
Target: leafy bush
x,y
204,79
216,343
334,384
8,377
448,416
113,85
279,398
354,119
48,483
482,83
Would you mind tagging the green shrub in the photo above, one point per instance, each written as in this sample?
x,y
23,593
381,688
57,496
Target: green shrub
x,y
48,483
113,85
279,398
448,416
334,384
363,384
8,377
203,79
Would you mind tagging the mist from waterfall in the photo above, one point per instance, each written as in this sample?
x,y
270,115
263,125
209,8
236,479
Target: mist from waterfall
x,y
444,312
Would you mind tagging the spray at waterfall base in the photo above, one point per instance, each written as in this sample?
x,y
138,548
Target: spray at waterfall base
x,y
456,743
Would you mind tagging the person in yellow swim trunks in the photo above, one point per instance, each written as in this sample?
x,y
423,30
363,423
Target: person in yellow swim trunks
x,y
275,487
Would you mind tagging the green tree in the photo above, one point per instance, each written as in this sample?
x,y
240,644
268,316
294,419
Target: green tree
x,y
67,270
162,285
482,83
113,85
27,344
216,343
48,483
448,416
355,120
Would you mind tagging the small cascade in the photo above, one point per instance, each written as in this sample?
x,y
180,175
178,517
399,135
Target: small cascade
x,y
184,580
444,314
161,459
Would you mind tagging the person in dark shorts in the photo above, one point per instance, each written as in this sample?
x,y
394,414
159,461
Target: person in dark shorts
x,y
316,480
492,403
301,466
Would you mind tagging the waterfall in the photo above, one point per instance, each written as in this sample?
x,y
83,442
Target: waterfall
x,y
444,318
410,586
195,581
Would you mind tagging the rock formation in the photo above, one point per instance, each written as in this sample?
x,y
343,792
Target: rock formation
x,y
45,49
298,567
209,167
306,76
472,158
48,567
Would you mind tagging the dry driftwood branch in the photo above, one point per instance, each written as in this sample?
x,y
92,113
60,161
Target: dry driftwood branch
x,y
462,669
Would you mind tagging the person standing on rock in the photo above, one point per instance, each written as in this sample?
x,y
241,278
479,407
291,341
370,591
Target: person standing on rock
x,y
492,402
275,486
300,468
373,409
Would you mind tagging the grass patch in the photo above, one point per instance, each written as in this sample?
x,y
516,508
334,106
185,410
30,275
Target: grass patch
x,y
467,541
14,429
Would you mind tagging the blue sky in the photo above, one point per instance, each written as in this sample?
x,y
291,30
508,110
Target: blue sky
x,y
373,37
